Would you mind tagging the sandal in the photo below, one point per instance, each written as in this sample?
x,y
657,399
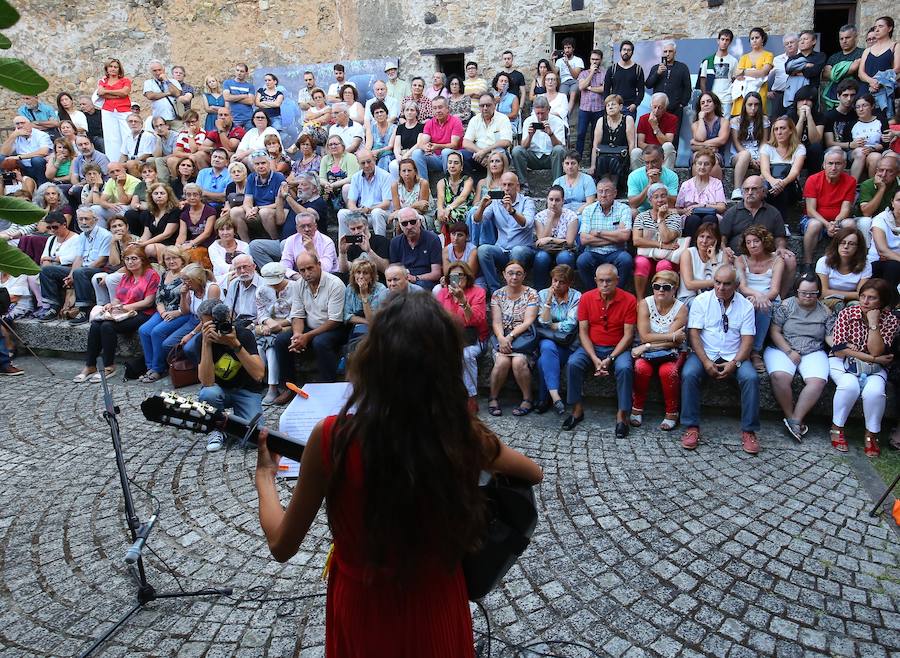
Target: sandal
x,y
636,418
838,442
150,377
494,407
668,424
522,410
81,377
96,378
870,446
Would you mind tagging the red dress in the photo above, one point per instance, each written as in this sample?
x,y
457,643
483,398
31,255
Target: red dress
x,y
368,614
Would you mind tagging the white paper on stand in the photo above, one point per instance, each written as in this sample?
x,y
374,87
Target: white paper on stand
x,y
302,415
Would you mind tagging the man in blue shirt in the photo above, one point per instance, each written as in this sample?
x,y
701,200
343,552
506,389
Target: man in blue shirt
x,y
653,171
260,196
513,218
93,249
419,251
30,147
605,230
240,96
42,116
214,179
370,195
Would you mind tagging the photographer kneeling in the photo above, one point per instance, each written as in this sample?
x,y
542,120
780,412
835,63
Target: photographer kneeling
x,y
231,370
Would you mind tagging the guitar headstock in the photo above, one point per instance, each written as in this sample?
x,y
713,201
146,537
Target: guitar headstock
x,y
170,408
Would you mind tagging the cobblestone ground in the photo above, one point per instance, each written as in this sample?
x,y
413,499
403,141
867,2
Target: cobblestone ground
x,y
641,548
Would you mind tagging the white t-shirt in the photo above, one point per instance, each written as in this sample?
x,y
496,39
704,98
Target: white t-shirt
x,y
575,62
161,107
893,240
751,144
870,131
334,89
723,70
253,139
349,132
843,282
66,251
132,149
775,156
18,286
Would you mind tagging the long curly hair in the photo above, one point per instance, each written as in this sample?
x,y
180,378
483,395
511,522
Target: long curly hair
x,y
422,450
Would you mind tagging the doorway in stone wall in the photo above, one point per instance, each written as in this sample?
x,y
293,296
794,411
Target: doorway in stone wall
x,y
828,18
583,35
451,64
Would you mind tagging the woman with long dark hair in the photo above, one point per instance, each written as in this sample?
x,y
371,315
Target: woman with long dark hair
x,y
844,268
399,477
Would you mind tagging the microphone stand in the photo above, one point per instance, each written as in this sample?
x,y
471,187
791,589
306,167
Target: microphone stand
x,y
146,592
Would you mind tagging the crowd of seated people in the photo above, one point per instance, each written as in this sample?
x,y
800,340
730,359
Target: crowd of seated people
x,y
161,217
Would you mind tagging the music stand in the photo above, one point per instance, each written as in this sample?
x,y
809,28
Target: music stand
x,y
146,592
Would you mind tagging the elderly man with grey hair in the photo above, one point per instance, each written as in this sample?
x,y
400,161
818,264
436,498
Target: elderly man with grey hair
x,y
381,94
352,132
418,250
779,76
369,194
543,143
829,196
673,79
161,91
660,128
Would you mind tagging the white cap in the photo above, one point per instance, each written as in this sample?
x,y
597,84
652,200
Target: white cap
x,y
272,273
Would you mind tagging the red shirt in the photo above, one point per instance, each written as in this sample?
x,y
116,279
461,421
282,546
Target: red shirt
x,y
668,123
236,132
131,290
119,103
828,196
443,133
607,322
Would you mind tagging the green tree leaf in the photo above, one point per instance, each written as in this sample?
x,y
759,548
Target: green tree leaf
x,y
15,262
19,211
5,43
17,76
8,15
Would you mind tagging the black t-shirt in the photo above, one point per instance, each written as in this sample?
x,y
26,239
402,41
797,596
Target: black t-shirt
x,y
230,373
95,123
627,83
817,119
157,228
377,243
318,204
409,136
839,124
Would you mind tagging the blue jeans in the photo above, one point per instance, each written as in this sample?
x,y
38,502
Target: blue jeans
x,y
325,347
426,163
384,161
552,359
763,320
158,337
586,123
244,403
544,262
192,349
36,170
589,261
692,377
483,232
580,363
4,356
491,258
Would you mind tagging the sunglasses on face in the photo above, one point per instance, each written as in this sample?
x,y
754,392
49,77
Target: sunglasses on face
x,y
53,227
409,222
665,287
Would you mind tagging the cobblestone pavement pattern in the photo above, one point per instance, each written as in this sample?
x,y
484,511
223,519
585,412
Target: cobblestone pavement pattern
x,y
641,549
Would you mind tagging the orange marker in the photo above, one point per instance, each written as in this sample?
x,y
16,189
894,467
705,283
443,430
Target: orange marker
x,y
296,389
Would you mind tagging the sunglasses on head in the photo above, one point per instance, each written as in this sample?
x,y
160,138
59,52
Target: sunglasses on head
x,y
665,287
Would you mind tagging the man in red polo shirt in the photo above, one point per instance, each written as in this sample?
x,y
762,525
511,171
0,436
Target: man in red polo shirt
x,y
829,201
657,127
226,135
606,319
441,134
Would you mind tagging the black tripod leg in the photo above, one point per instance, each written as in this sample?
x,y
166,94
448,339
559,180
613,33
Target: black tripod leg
x,y
875,510
6,325
112,629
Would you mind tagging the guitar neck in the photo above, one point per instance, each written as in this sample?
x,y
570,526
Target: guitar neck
x,y
282,444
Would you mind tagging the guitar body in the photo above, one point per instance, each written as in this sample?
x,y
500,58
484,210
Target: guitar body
x,y
512,519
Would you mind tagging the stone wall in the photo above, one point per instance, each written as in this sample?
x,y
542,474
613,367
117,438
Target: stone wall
x,y
68,41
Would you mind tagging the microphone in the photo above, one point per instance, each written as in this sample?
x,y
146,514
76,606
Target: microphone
x,y
134,553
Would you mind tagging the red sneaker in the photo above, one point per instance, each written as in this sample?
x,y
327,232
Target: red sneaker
x,y
749,442
690,438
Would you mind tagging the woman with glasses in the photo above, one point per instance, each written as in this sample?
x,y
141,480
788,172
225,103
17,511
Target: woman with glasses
x,y
134,304
844,268
662,322
866,138
861,341
760,270
254,139
798,330
189,144
336,170
223,250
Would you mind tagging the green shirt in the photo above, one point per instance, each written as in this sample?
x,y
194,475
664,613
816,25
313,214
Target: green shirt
x,y
867,193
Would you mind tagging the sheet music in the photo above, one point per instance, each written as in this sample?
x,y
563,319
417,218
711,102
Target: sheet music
x,y
302,415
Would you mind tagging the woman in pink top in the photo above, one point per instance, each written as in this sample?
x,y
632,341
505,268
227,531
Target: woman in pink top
x,y
466,302
701,198
114,91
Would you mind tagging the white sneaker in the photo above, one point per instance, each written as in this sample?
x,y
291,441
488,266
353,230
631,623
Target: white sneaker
x,y
214,441
736,194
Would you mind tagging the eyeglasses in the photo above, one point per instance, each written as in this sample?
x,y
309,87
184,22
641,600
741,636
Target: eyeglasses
x,y
665,287
408,222
53,227
724,322
807,293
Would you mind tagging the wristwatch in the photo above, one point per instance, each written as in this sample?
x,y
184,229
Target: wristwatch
x,y
738,363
